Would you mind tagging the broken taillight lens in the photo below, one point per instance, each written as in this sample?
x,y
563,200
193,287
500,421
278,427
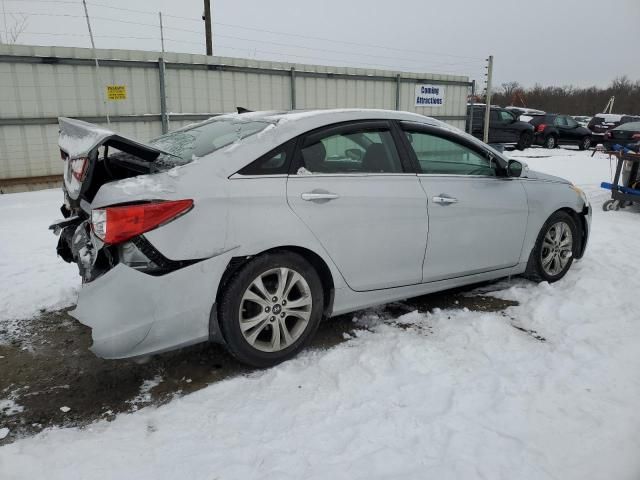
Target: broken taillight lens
x,y
118,224
78,167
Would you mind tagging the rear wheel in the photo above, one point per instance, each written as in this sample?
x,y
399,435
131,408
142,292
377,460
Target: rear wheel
x,y
525,140
555,248
271,308
551,142
585,143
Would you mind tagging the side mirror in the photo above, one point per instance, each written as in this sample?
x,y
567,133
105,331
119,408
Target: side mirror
x,y
353,154
514,168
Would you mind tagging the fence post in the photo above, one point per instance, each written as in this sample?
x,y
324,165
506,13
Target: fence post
x,y
163,96
472,108
398,91
293,88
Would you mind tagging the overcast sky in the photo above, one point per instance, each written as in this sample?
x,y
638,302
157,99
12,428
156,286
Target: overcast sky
x,y
552,42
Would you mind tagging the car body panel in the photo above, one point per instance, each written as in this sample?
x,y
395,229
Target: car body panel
x,y
382,225
135,314
482,231
236,217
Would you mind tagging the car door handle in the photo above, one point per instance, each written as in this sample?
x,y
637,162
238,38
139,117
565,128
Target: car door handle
x,y
313,196
444,200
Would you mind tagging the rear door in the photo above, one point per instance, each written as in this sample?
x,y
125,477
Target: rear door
x,y
367,209
477,220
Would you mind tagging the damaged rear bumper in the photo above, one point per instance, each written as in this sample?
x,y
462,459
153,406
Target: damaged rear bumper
x,y
134,314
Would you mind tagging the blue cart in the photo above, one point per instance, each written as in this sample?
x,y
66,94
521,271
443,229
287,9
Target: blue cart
x,y
627,192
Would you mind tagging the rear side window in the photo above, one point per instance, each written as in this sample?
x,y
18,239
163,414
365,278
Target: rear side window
x,y
204,138
276,162
438,155
361,150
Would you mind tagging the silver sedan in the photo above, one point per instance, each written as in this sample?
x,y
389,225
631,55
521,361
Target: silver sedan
x,y
248,229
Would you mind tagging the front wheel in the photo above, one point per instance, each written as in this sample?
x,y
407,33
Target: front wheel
x,y
585,143
555,248
526,138
270,308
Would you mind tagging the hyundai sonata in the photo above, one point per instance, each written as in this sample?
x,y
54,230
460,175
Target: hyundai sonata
x,y
248,229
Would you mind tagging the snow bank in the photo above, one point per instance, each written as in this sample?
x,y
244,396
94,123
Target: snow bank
x,y
443,395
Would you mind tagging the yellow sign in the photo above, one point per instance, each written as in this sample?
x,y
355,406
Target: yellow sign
x,y
116,92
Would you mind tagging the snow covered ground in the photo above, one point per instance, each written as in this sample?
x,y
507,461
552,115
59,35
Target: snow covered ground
x,y
31,276
444,394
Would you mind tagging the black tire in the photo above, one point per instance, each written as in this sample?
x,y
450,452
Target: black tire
x,y
535,270
608,205
550,142
526,138
585,143
229,314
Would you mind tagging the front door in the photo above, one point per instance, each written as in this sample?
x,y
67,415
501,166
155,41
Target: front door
x,y
351,190
477,220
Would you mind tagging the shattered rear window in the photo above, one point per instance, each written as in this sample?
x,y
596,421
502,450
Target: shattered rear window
x,y
204,138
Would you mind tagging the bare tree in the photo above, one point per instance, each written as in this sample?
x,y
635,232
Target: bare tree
x,y
509,88
14,28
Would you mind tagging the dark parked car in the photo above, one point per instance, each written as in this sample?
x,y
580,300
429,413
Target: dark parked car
x,y
601,123
552,130
627,135
504,127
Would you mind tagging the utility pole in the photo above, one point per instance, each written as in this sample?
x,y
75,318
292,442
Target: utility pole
x,y
487,109
95,57
161,33
207,26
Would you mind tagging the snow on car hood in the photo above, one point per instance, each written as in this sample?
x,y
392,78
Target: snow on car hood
x,y
545,176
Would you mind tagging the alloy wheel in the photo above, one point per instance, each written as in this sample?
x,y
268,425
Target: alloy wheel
x,y
275,309
557,248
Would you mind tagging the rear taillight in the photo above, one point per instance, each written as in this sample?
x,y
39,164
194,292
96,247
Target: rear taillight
x,y
540,128
607,134
119,224
78,168
635,136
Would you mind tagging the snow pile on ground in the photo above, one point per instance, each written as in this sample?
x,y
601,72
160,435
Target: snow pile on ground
x,y
33,277
444,394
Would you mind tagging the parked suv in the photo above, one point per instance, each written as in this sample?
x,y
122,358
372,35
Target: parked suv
x,y
552,130
601,123
504,127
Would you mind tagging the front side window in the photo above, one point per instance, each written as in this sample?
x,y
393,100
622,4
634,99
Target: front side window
x,y
438,155
363,150
560,122
571,123
506,117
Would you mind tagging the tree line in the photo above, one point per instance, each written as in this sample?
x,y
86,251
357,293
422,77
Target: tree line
x,y
572,100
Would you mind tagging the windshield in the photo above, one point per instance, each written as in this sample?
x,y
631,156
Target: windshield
x,y
204,138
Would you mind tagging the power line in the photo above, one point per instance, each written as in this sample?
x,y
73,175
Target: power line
x,y
274,32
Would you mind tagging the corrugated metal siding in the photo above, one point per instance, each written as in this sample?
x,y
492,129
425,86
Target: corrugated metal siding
x,y
40,92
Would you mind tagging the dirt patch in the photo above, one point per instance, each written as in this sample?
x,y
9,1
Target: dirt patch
x,y
50,378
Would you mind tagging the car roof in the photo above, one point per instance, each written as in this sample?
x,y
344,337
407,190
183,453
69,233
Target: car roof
x,y
610,117
289,124
330,116
629,126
